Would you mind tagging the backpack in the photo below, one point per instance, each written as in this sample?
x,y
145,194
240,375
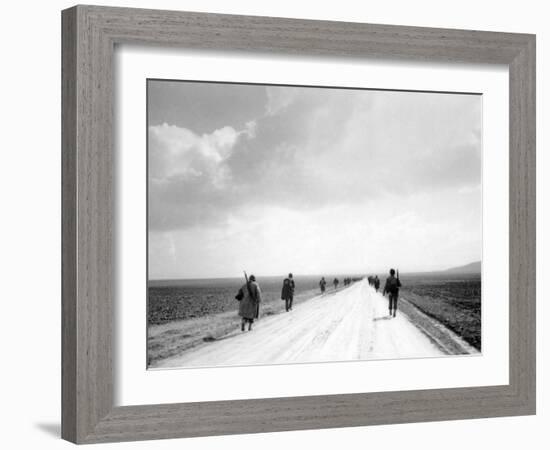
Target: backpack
x,y
393,285
240,295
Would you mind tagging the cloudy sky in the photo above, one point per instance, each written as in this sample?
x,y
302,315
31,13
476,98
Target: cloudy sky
x,y
272,179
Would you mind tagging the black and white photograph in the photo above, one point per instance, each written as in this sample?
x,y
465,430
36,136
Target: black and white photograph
x,y
303,224
275,225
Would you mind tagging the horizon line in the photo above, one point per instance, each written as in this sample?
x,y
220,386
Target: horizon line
x,y
373,272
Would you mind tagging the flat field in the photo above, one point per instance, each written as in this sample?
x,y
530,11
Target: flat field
x,y
185,313
453,299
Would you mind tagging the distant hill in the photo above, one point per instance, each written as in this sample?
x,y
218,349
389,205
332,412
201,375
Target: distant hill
x,y
474,267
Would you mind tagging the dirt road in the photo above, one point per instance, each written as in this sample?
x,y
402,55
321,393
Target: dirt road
x,y
351,324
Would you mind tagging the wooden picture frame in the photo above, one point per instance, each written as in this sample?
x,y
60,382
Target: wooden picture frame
x,y
89,36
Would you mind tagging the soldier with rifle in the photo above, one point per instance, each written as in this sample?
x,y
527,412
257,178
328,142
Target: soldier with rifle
x,y
392,288
249,297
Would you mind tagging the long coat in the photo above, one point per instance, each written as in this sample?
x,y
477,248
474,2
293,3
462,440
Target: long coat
x,y
249,307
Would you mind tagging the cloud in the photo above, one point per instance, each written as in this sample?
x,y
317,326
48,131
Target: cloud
x,y
189,181
179,152
312,149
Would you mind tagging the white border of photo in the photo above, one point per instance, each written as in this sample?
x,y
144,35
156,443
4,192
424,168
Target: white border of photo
x,y
135,385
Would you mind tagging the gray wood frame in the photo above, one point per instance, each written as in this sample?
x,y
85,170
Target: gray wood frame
x,y
89,36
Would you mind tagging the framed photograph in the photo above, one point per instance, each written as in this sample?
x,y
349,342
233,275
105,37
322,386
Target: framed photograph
x,y
278,224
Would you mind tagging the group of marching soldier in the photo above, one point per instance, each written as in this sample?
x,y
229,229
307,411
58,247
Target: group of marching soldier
x,y
374,281
250,295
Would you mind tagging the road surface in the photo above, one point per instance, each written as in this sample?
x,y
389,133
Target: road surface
x,y
351,324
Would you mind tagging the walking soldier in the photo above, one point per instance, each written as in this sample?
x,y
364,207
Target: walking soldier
x,y
249,297
392,288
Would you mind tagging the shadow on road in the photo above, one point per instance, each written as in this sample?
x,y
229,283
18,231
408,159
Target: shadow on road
x,y
382,318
